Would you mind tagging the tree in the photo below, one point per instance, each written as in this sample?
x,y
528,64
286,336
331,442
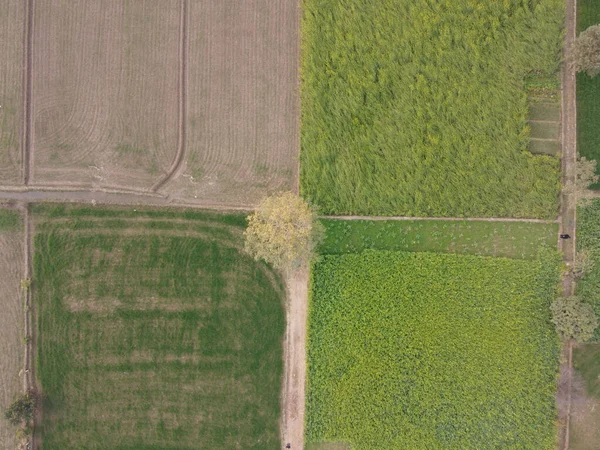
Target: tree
x,y
283,231
573,319
585,53
585,176
22,409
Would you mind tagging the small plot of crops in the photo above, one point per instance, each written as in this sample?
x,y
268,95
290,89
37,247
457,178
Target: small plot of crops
x,y
588,92
432,351
413,107
585,410
588,244
509,239
155,331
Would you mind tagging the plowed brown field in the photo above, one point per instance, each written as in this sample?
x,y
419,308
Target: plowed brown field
x,y
105,91
12,318
242,101
12,20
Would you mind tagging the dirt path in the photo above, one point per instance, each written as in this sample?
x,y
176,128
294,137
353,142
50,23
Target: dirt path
x,y
27,80
182,99
294,383
568,223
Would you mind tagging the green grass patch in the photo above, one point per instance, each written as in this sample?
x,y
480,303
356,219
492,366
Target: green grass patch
x,y
544,147
588,92
544,111
586,361
509,239
155,340
10,220
588,238
422,350
419,108
544,130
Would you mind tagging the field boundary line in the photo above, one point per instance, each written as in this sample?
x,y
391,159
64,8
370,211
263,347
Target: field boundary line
x,y
26,92
449,219
182,100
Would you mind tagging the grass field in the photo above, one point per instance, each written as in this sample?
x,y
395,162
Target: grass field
x,y
588,92
12,346
420,350
509,239
12,20
420,108
588,238
105,90
155,331
242,127
585,416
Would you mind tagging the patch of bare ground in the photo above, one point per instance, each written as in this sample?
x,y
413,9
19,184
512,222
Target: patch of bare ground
x,y
242,133
12,24
585,417
294,383
105,91
12,345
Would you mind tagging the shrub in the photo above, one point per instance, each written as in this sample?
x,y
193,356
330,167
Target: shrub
x,y
585,54
22,409
283,231
573,319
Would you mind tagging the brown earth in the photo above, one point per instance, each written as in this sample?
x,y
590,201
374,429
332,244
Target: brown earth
x,y
104,92
12,20
294,381
12,346
243,104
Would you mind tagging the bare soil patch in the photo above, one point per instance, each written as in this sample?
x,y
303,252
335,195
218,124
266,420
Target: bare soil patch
x,y
242,109
12,346
12,22
105,89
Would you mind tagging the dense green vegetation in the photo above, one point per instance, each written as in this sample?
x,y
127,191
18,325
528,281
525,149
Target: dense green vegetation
x,y
588,238
423,350
414,107
10,220
588,92
509,239
155,337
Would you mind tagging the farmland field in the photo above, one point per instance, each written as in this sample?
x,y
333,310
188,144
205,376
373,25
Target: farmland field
x,y
588,239
105,89
585,416
155,331
420,108
242,136
12,20
421,350
509,239
588,92
12,347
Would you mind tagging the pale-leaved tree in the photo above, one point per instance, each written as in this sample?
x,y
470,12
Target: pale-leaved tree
x,y
585,53
283,231
585,176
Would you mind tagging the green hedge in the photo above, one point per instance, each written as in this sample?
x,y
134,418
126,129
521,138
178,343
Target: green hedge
x,y
432,351
419,107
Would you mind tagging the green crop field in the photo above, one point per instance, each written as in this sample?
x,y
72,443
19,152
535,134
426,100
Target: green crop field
x,y
588,238
155,331
414,107
432,351
588,92
509,239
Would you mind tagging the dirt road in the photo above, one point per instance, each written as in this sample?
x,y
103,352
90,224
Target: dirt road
x,y
294,384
